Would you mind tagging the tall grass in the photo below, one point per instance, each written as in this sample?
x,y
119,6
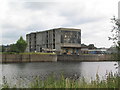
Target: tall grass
x,y
111,81
41,53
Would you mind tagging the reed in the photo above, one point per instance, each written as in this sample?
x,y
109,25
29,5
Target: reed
x,y
111,81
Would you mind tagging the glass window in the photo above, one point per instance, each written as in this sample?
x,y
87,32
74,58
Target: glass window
x,y
70,37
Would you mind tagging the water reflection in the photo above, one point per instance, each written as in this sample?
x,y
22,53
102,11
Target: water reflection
x,y
70,69
119,68
0,75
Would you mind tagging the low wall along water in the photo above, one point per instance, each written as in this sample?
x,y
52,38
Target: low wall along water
x,y
9,58
27,58
92,57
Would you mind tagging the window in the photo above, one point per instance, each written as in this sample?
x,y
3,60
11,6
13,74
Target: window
x,y
70,37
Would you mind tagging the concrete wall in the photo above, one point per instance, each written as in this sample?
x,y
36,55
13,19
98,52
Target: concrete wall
x,y
84,58
39,40
58,40
28,42
31,41
6,58
10,58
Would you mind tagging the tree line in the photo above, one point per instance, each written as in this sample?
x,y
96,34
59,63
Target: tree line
x,y
18,47
115,35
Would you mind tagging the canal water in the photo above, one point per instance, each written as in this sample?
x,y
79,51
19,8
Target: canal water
x,y
26,71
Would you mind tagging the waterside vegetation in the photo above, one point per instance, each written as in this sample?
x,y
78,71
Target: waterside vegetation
x,y
115,36
41,53
111,81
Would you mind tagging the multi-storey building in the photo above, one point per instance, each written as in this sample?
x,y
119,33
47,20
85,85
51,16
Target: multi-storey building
x,y
61,40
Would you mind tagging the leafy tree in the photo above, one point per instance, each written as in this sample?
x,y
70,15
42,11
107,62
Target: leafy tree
x,y
118,48
21,45
91,46
115,35
13,48
2,48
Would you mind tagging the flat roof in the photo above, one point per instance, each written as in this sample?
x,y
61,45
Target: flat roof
x,y
69,29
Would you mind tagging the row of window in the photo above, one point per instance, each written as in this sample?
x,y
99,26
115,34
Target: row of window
x,y
70,37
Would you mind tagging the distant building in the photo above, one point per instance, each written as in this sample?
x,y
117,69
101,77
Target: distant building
x,y
60,40
91,49
5,48
86,48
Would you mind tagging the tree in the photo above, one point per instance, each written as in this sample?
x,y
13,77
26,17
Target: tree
x,y
13,48
21,45
115,35
91,46
2,48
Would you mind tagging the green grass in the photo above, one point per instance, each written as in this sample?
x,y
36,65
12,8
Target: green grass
x,y
112,81
38,53
28,53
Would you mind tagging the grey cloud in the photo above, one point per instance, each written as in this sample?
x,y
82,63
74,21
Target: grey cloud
x,y
34,27
10,35
74,15
80,21
8,26
84,20
74,20
88,20
68,15
38,5
13,32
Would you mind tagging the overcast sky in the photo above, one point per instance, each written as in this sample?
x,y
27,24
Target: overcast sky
x,y
19,17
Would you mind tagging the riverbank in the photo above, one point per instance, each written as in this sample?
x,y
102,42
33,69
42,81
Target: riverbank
x,y
111,81
49,57
28,57
86,57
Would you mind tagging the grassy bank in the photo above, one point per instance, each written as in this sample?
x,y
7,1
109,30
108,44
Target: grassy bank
x,y
111,81
28,53
38,53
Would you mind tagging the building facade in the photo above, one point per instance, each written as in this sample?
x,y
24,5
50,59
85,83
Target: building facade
x,y
60,40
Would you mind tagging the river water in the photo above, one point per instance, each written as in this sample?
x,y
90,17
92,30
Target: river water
x,y
14,71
